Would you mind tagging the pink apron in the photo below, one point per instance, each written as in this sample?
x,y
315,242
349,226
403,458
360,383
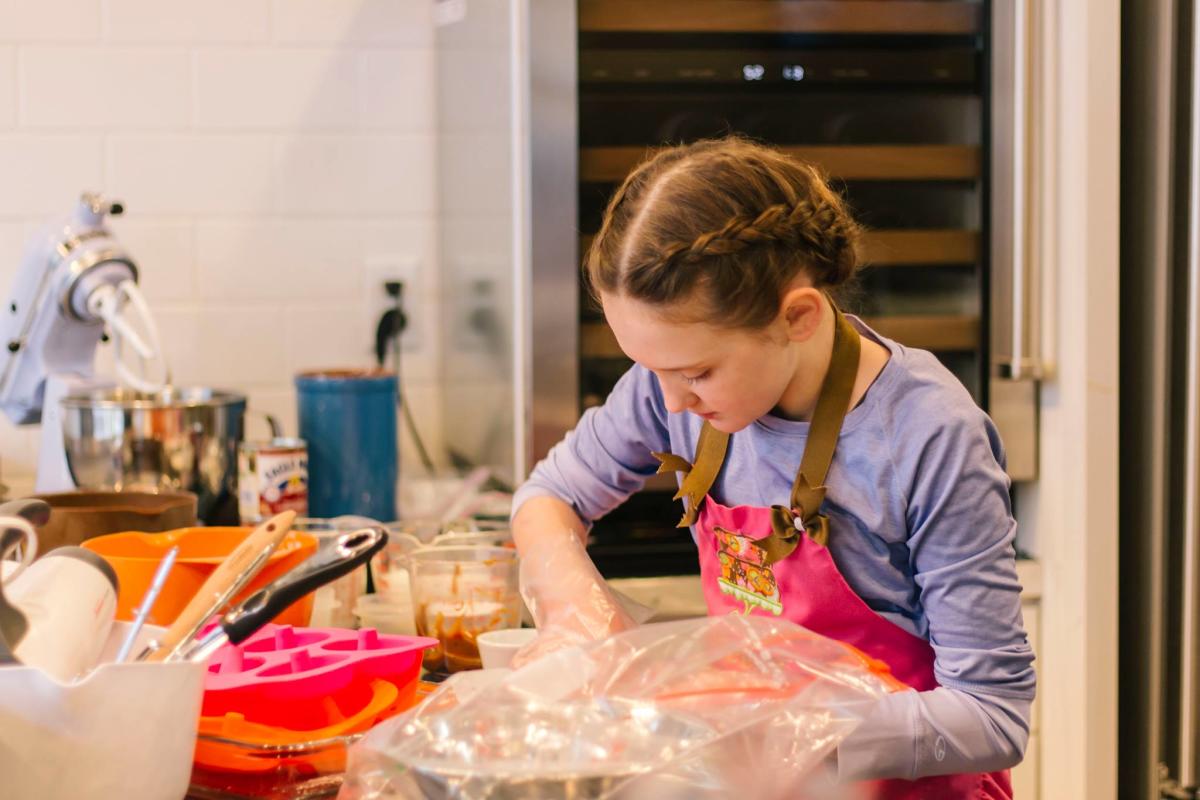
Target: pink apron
x,y
773,561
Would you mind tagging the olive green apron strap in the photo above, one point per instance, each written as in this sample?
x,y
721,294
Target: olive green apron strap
x,y
698,478
808,490
669,462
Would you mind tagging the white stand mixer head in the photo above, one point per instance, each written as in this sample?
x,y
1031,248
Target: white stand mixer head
x,y
74,281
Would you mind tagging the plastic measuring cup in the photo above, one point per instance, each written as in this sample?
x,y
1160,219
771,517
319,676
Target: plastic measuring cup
x,y
459,593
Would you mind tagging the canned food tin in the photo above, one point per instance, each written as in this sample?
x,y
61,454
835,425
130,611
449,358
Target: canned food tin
x,y
272,477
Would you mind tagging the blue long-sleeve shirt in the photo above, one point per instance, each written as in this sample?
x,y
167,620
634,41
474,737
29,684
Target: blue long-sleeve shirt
x,y
922,530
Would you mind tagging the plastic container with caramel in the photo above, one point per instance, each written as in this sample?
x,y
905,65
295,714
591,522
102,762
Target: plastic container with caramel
x,y
459,593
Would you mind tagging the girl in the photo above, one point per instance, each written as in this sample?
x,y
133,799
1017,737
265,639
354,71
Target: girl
x,y
829,474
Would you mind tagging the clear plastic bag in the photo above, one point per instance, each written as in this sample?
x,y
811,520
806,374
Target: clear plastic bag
x,y
731,706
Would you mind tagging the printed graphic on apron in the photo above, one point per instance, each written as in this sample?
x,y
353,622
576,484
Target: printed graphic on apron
x,y
745,575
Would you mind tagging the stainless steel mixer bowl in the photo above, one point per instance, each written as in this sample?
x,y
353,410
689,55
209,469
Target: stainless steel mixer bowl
x,y
177,439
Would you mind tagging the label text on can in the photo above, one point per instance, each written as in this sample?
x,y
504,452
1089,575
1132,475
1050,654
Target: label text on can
x,y
272,477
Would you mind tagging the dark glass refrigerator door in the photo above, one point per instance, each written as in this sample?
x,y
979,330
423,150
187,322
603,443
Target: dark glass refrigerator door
x,y
892,108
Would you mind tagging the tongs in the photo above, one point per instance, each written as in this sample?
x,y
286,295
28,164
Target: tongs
x,y
349,551
230,577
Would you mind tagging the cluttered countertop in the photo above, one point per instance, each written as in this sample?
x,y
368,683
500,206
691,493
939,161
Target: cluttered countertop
x,y
320,699
256,652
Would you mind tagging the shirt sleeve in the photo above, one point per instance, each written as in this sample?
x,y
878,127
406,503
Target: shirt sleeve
x,y
962,556
607,457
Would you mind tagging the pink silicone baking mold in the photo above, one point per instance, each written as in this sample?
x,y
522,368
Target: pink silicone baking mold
x,y
282,664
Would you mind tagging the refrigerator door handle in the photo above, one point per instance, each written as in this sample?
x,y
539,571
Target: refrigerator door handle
x,y
1190,589
1016,364
1021,360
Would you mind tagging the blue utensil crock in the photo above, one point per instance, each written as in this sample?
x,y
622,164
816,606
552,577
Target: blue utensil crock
x,y
348,418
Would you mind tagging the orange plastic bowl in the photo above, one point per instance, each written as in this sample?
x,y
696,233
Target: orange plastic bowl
x,y
136,555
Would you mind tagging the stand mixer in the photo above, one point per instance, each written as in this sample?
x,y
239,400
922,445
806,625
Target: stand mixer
x,y
75,285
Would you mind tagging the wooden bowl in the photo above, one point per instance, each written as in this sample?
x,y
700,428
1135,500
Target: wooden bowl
x,y
76,517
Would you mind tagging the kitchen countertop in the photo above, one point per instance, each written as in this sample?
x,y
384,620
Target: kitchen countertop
x,y
676,597
18,485
681,596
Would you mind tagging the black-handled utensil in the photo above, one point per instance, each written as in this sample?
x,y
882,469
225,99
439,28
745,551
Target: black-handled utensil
x,y
350,550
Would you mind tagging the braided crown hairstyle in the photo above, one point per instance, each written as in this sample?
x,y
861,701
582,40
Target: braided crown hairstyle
x,y
727,218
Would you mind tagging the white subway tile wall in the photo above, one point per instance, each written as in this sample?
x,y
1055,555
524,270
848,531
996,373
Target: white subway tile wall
x,y
273,88
38,170
276,160
223,174
49,21
394,83
211,22
104,88
8,85
354,22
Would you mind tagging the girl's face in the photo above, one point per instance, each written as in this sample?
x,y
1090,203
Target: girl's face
x,y
729,377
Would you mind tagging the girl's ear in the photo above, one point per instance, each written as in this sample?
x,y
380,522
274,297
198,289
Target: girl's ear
x,y
801,312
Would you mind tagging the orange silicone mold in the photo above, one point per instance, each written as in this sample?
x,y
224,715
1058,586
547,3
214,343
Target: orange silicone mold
x,y
247,745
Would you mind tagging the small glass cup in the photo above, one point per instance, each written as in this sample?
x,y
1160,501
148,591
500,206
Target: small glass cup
x,y
459,538
423,530
459,593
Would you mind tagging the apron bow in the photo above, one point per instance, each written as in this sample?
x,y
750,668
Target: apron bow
x,y
788,523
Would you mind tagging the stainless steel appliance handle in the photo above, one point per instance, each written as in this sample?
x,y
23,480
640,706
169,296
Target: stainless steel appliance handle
x,y
1022,80
1020,185
1190,600
1022,361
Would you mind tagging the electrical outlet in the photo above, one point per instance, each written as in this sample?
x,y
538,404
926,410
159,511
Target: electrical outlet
x,y
407,270
478,324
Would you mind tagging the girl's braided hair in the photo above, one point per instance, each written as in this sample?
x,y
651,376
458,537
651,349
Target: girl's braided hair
x,y
729,218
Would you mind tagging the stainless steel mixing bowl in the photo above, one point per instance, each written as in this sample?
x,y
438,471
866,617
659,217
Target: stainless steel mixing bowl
x,y
177,439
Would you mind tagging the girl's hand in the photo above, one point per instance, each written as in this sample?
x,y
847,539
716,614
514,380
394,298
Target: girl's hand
x,y
569,600
547,642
